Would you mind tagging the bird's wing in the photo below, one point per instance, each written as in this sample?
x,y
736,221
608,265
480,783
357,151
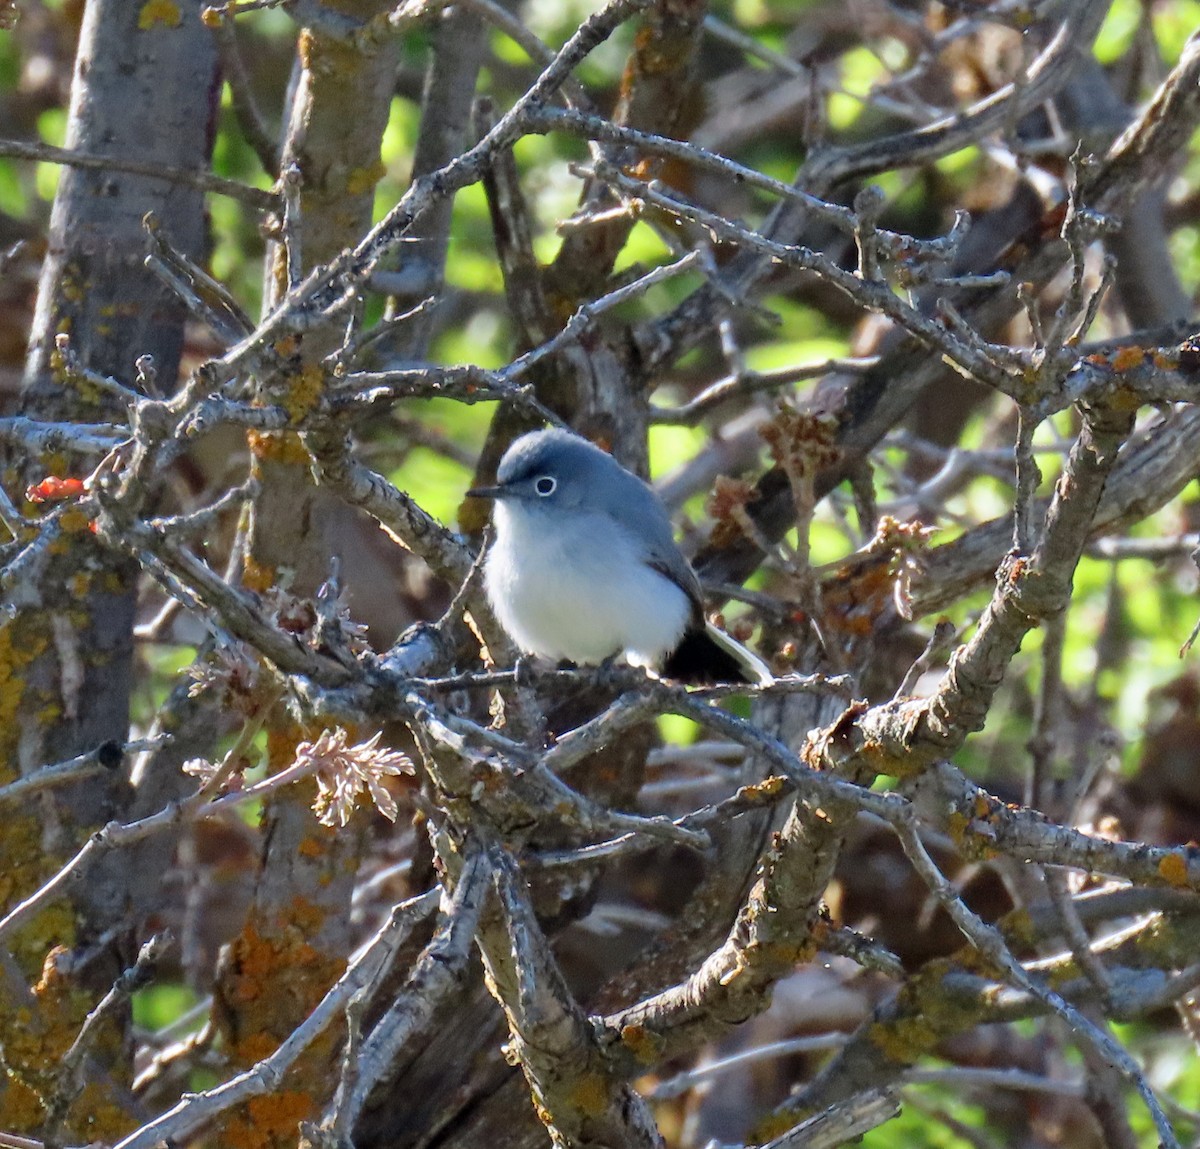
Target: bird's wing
x,y
674,567
644,517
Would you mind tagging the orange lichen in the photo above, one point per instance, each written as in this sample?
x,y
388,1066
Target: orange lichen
x,y
256,576
285,1108
22,1108
35,1039
307,915
774,1125
304,391
311,847
305,46
268,1121
256,959
55,462
278,446
1126,399
590,1094
783,955
74,520
164,12
770,787
362,180
1127,358
21,642
96,1110
1173,869
286,347
255,1047
904,1039
643,1043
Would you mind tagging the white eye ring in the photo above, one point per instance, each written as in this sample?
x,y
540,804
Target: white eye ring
x,y
546,485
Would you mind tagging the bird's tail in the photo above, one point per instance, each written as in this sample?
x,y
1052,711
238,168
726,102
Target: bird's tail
x,y
710,655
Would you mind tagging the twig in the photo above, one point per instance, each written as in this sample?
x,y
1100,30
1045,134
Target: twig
x,y
991,944
70,1078
537,788
1148,550
25,569
195,1110
205,181
213,412
1028,479
208,299
587,313
13,520
1042,743
106,756
38,437
746,382
291,181
972,1078
874,296
220,12
245,107
572,93
552,1037
73,371
720,30
841,1123
869,203
203,518
171,1055
436,972
682,1082
116,834
939,641
14,1141
893,244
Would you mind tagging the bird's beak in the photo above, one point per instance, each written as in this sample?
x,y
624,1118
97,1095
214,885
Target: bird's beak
x,y
488,493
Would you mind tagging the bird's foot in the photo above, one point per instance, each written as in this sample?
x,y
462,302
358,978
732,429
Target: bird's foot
x,y
614,674
524,675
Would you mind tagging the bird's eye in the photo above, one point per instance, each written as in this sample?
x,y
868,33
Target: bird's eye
x,y
545,485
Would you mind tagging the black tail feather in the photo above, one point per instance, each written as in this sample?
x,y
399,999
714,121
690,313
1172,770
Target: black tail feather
x,y
700,661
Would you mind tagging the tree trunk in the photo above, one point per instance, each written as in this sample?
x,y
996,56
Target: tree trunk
x,y
66,648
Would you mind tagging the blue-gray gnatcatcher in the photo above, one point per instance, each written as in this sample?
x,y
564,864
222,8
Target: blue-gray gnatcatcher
x,y
584,566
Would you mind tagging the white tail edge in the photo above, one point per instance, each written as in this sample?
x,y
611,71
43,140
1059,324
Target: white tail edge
x,y
756,670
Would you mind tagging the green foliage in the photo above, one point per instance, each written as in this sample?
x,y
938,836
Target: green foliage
x,y
433,478
14,195
672,446
915,1129
1119,28
165,663
162,1004
1174,24
677,730
395,153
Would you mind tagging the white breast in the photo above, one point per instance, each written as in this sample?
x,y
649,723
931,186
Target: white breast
x,y
581,593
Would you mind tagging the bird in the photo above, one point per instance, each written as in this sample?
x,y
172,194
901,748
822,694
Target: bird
x,y
584,567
